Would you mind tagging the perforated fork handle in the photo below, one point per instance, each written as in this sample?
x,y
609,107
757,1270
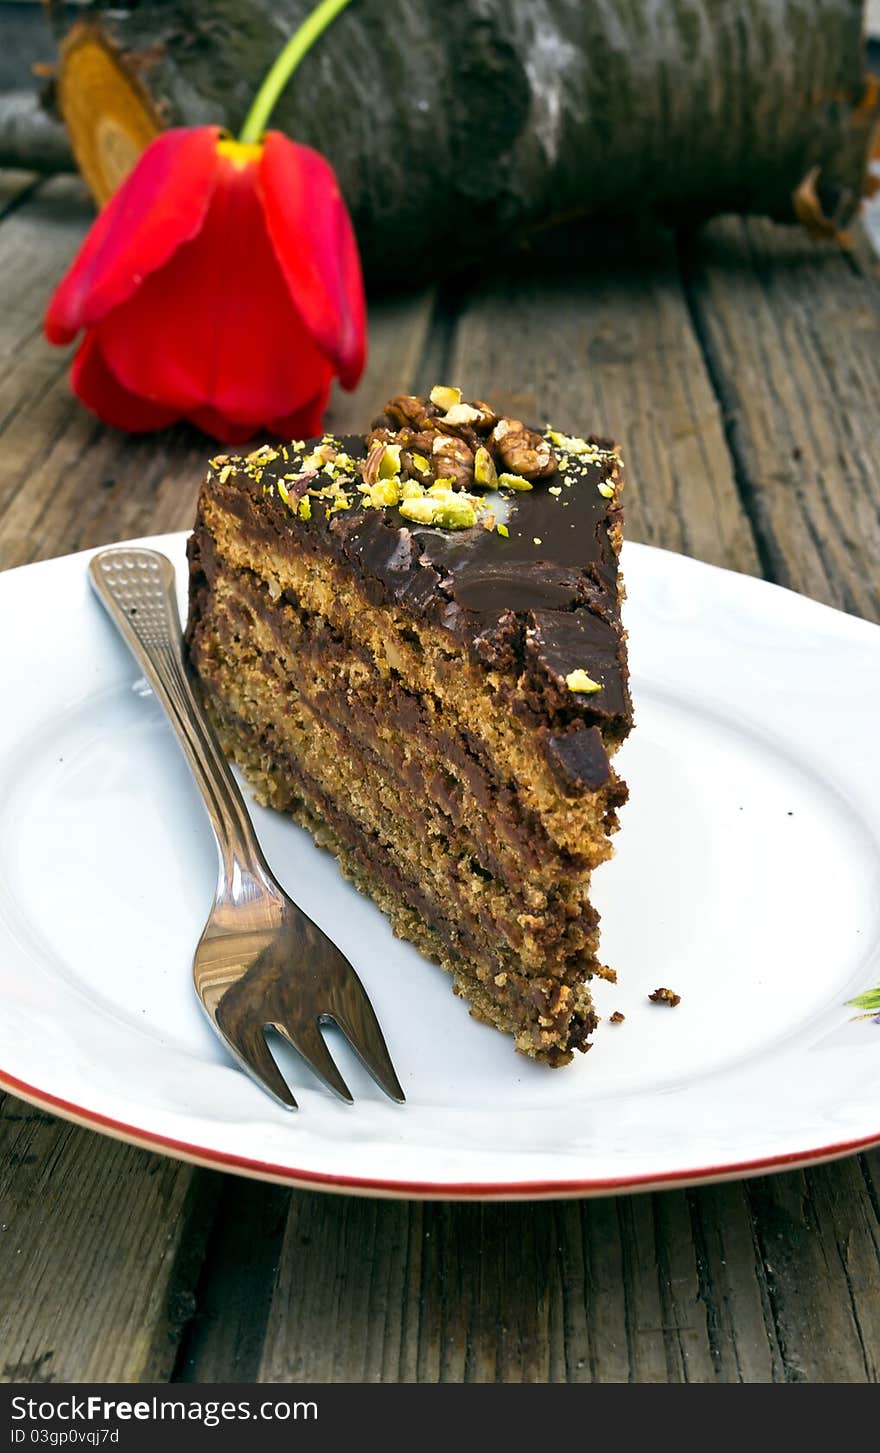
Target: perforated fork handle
x,y
136,587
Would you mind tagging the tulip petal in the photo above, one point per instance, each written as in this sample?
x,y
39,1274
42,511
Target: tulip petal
x,y
315,245
306,423
214,329
96,387
160,205
220,427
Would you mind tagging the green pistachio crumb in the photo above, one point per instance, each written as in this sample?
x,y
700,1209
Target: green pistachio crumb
x,y
485,472
605,489
580,681
568,442
389,464
420,509
513,481
225,473
386,492
422,464
457,513
304,509
502,530
445,398
554,489
283,491
536,540
411,489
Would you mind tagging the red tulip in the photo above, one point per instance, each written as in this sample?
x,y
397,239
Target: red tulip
x,y
220,284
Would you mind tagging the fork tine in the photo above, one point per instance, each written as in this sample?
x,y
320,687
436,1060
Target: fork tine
x,y
308,1041
254,1056
352,1011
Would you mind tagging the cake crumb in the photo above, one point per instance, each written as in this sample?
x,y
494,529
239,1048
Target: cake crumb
x,y
616,1017
665,996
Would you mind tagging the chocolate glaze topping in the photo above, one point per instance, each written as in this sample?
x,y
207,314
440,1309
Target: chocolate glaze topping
x,y
535,605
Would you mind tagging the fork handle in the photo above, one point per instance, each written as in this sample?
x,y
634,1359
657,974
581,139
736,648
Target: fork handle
x,y
136,587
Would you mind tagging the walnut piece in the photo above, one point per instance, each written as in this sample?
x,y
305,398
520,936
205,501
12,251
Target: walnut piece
x,y
522,451
452,458
406,409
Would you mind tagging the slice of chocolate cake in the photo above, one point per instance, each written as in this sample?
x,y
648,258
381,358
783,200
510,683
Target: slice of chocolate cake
x,y
411,642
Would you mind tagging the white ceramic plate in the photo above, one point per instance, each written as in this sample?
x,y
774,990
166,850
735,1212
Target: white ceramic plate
x,y
747,878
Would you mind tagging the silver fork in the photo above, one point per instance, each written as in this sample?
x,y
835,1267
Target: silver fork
x,y
260,962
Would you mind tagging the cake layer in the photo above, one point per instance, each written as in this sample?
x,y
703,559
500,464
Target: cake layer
x,y
386,779
548,1016
457,774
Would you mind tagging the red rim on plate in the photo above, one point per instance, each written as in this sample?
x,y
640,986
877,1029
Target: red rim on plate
x,y
423,1190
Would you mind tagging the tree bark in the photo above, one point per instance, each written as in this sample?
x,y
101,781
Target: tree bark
x,y
455,130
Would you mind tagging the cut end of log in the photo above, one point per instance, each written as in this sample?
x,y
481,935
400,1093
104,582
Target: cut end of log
x,y
109,115
818,213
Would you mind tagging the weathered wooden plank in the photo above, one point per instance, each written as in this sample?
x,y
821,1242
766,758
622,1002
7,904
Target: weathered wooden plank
x,y
14,185
99,1249
792,334
224,1338
820,1241
733,1286
607,345
599,1291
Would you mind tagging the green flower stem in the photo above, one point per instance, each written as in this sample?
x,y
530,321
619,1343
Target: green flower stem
x,y
280,73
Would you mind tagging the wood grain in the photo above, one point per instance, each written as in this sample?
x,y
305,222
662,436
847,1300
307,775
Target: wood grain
x,y
607,342
791,332
99,1251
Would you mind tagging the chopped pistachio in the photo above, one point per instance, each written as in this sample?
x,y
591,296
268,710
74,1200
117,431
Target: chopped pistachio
x,y
225,473
389,464
568,442
411,489
513,481
283,491
580,681
485,472
502,530
386,492
457,513
442,485
554,489
536,540
421,510
263,455
218,460
445,398
422,464
304,509
606,489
